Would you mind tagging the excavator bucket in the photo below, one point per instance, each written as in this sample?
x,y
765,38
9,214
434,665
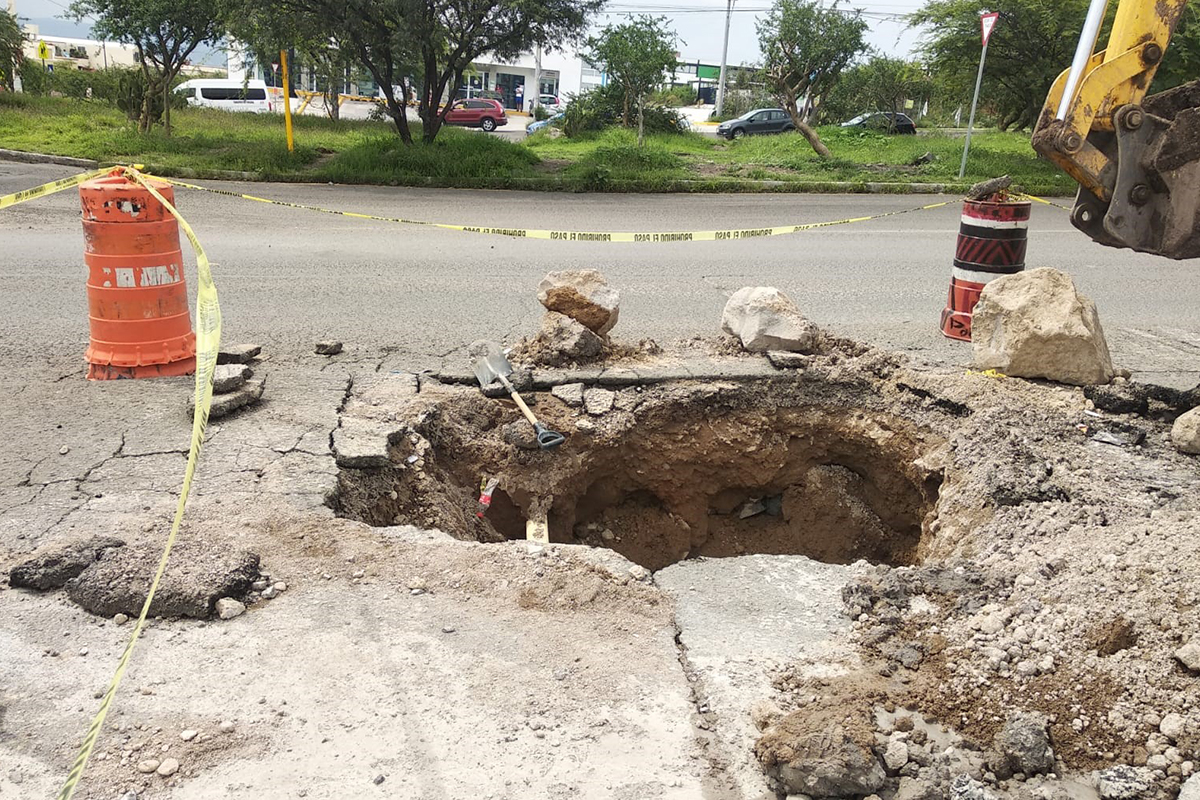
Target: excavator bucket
x,y
1155,200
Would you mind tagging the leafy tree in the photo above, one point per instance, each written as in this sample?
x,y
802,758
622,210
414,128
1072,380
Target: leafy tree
x,y
12,41
805,48
165,33
882,83
424,47
636,55
1033,42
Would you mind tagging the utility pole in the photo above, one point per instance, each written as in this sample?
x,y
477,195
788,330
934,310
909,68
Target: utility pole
x,y
12,9
537,76
724,58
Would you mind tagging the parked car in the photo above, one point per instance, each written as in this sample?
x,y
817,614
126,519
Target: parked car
x,y
551,103
231,95
477,113
534,127
758,121
883,121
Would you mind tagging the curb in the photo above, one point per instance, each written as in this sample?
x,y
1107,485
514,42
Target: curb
x,y
23,157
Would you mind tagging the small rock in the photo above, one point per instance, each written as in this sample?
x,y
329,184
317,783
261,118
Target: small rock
x,y
448,629
329,348
584,295
238,353
379,779
764,319
224,404
585,426
638,572
1035,324
1185,433
417,583
279,586
1022,746
964,787
168,767
62,451
781,359
1190,789
895,755
147,766
358,573
1189,655
569,393
228,377
120,619
1172,726
225,726
599,401
270,593
188,735
228,608
1123,783
260,584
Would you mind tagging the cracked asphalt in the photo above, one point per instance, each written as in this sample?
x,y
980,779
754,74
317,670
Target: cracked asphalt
x,y
82,458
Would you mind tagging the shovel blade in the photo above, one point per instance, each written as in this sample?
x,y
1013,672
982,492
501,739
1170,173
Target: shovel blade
x,y
491,365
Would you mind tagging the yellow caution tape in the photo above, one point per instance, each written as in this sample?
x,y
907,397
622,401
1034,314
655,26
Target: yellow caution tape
x,y
208,341
1042,200
656,237
52,187
989,373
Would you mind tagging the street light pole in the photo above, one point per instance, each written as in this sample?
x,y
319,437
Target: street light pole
x,y
724,58
12,9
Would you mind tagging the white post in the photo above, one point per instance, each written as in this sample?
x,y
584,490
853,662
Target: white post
x,y
724,58
537,77
12,9
962,170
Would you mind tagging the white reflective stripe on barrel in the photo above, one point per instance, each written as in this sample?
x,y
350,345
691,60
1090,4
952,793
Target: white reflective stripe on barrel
x,y
972,276
980,222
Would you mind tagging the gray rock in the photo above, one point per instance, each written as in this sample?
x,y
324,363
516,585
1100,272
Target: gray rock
x,y
1190,789
918,789
785,360
1022,745
54,568
1185,433
228,377
329,348
562,340
168,767
195,579
226,726
228,608
238,353
1036,325
147,766
583,295
1172,726
1189,655
225,404
599,401
1124,783
964,787
571,394
764,319
895,755
520,434
826,764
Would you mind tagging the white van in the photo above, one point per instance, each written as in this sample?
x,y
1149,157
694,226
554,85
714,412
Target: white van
x,y
230,95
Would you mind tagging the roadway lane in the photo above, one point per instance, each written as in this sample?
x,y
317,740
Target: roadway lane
x,y
290,277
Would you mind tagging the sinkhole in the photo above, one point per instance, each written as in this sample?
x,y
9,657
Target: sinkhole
x,y
672,472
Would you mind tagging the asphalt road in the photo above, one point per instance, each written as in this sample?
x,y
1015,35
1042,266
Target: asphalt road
x,y
289,277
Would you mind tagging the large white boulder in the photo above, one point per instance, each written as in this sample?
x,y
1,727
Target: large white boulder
x,y
1035,324
583,295
764,318
1185,433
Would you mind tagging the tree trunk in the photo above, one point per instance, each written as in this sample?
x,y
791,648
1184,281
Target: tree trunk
x,y
811,136
625,112
641,121
167,104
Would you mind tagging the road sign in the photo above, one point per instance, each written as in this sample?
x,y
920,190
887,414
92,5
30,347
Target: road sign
x,y
988,21
274,66
43,51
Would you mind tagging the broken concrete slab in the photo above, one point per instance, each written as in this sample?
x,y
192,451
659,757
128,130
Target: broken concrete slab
x,y
364,443
598,401
328,348
570,393
1036,324
584,295
785,360
228,377
52,568
225,404
562,340
764,318
238,353
742,618
196,577
383,397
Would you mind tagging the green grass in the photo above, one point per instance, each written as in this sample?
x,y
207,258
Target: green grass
x,y
209,143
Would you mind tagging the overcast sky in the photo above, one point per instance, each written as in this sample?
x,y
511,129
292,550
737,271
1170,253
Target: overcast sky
x,y
699,23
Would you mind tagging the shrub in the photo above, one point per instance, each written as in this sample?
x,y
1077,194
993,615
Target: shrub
x,y
601,107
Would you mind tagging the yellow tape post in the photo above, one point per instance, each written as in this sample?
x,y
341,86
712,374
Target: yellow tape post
x,y
646,237
208,342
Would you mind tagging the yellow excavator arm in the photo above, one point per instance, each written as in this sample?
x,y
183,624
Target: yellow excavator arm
x,y
1136,158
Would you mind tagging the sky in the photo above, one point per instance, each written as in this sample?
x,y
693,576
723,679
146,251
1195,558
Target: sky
x,y
700,24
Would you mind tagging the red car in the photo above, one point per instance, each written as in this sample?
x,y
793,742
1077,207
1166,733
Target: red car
x,y
477,113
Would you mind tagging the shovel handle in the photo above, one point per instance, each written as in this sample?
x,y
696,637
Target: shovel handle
x,y
517,398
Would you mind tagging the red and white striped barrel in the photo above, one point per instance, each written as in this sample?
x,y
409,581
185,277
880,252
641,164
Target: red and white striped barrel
x,y
991,244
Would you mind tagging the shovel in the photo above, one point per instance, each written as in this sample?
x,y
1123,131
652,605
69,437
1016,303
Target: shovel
x,y
494,366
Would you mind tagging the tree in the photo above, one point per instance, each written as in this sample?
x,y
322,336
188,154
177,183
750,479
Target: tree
x,y
1033,42
12,42
805,48
165,33
424,47
636,56
886,83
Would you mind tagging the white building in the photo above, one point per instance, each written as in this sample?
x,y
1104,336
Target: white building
x,y
88,54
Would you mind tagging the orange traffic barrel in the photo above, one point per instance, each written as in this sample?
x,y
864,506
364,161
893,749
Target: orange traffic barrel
x,y
991,244
137,299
